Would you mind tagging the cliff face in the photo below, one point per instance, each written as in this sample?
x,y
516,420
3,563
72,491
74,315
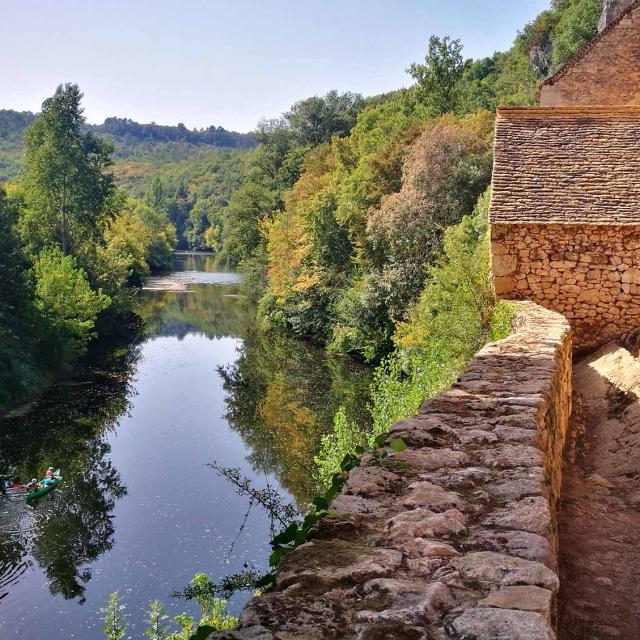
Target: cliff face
x,y
610,11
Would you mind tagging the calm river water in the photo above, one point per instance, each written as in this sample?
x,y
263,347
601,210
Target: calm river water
x,y
139,510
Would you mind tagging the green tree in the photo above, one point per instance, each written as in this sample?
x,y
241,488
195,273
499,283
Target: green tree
x,y
18,371
14,292
577,25
317,119
178,210
155,196
248,208
65,299
438,77
65,184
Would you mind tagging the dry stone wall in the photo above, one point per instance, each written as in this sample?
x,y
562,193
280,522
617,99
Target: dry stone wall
x,y
454,538
589,273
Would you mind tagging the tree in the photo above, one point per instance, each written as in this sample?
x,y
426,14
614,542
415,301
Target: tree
x,y
438,78
65,299
65,183
13,284
178,211
249,207
16,331
577,25
317,119
155,195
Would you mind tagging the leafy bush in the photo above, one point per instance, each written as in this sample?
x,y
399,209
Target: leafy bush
x,y
65,299
214,616
344,439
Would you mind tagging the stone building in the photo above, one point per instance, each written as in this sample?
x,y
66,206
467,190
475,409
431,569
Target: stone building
x,y
565,210
607,70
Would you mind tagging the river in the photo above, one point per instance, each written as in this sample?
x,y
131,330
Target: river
x,y
140,511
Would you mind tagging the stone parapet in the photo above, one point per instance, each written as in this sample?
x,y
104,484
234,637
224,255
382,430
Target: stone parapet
x,y
589,273
454,538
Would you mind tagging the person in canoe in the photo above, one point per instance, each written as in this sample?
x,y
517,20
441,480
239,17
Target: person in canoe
x,y
32,486
49,473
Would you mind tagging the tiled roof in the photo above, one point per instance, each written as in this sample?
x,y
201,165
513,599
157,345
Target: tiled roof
x,y
583,52
567,165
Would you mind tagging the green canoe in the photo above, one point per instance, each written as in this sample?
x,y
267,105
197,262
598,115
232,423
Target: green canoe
x,y
57,478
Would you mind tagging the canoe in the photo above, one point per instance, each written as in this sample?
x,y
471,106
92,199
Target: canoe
x,y
57,478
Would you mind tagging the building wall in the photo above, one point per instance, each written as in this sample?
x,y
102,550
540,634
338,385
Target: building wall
x,y
606,73
455,537
589,273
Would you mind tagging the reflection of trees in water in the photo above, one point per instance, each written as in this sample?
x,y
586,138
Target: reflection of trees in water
x,y
282,396
216,311
72,527
78,527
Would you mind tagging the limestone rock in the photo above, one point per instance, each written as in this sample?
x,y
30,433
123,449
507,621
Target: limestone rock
x,y
433,497
526,598
348,563
428,601
502,624
496,568
421,523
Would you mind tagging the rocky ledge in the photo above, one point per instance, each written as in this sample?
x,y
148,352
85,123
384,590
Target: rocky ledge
x,y
454,538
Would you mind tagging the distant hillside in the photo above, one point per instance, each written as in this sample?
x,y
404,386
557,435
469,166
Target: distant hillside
x,y
134,142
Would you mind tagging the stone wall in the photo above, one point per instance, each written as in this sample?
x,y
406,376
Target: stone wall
x,y
606,72
454,538
589,273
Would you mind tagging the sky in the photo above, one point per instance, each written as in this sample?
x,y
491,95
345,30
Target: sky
x,y
230,62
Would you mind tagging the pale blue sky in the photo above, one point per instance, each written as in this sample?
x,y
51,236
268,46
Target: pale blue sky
x,y
231,62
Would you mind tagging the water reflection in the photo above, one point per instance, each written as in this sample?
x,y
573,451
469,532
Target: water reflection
x,y
283,395
212,311
139,509
66,530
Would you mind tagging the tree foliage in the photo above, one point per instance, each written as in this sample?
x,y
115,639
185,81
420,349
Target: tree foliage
x,y
66,187
438,77
65,299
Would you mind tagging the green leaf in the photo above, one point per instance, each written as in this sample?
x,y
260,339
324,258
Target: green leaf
x,y
309,520
398,445
286,536
266,582
203,632
381,440
320,503
301,537
276,556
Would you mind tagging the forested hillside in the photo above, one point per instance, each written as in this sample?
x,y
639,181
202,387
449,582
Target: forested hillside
x,y
343,215
372,240
132,141
197,169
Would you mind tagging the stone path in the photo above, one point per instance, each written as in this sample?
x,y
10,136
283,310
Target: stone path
x,y
600,510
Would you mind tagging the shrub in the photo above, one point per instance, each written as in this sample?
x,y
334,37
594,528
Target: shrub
x,y
65,299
